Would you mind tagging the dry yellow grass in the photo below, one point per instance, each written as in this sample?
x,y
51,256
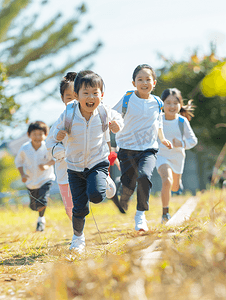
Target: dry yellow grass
x,y
40,266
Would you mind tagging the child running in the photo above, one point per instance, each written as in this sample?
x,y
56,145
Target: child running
x,y
138,141
87,149
170,163
67,95
35,165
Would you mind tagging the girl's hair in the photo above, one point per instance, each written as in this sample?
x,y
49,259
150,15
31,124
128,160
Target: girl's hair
x,y
67,79
186,110
38,125
141,67
88,78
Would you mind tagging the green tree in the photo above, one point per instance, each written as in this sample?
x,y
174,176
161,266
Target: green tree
x,y
188,77
31,47
7,104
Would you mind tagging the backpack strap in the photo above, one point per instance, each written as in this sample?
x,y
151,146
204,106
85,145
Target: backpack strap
x,y
181,125
103,117
126,98
125,102
160,103
70,112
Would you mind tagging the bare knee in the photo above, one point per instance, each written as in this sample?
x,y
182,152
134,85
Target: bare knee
x,y
167,181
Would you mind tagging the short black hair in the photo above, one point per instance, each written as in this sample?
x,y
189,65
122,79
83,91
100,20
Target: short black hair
x,y
38,125
141,67
69,77
88,78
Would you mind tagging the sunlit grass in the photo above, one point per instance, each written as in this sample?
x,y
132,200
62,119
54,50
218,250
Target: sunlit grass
x,y
40,266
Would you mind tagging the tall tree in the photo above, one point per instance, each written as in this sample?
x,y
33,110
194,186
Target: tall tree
x,y
32,46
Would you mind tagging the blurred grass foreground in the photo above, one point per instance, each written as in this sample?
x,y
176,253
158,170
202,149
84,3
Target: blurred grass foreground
x,y
192,263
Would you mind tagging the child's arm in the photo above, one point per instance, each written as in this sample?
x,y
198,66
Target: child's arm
x,y
24,177
57,129
117,164
109,146
46,166
163,140
189,141
116,122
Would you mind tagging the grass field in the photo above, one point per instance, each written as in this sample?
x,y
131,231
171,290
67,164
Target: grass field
x,y
39,265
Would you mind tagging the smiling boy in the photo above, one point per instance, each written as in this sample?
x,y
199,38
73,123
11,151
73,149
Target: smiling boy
x,y
86,149
35,165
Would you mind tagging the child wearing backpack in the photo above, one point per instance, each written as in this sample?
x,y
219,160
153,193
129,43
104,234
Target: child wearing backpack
x,y
58,150
86,148
177,129
138,141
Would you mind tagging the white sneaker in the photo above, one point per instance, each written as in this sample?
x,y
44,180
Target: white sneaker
x,y
78,243
140,222
111,188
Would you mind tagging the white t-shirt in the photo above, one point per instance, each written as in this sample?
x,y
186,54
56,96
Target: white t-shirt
x,y
141,123
30,159
175,157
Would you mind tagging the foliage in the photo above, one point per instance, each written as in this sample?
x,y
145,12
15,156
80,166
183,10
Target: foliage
x,y
8,172
187,76
37,51
7,104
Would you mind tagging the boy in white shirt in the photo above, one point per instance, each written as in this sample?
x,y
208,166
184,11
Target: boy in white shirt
x,y
35,165
86,149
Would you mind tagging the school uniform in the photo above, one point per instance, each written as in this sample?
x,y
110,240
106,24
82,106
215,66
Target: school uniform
x,y
39,181
175,157
86,156
138,146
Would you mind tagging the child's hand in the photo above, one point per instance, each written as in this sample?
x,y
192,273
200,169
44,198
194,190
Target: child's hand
x,y
167,143
24,178
61,135
43,167
176,143
114,127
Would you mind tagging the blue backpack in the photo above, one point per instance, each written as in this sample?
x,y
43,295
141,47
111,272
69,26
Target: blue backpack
x,y
126,102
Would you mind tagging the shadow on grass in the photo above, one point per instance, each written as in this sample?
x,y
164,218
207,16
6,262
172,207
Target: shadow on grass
x,y
19,260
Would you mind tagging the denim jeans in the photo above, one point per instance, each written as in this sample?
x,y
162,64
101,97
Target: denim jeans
x,y
89,185
137,167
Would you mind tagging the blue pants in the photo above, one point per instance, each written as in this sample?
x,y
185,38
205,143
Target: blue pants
x,y
137,167
89,185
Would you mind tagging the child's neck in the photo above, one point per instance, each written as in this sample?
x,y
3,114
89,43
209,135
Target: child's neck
x,y
143,96
85,114
170,118
37,146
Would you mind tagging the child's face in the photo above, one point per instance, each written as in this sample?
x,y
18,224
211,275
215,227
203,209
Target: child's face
x,y
89,98
69,94
171,107
144,82
37,136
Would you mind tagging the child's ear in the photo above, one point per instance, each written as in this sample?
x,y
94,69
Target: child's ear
x,y
76,95
133,82
154,83
102,95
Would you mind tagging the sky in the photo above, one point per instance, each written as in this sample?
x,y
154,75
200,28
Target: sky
x,y
134,32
